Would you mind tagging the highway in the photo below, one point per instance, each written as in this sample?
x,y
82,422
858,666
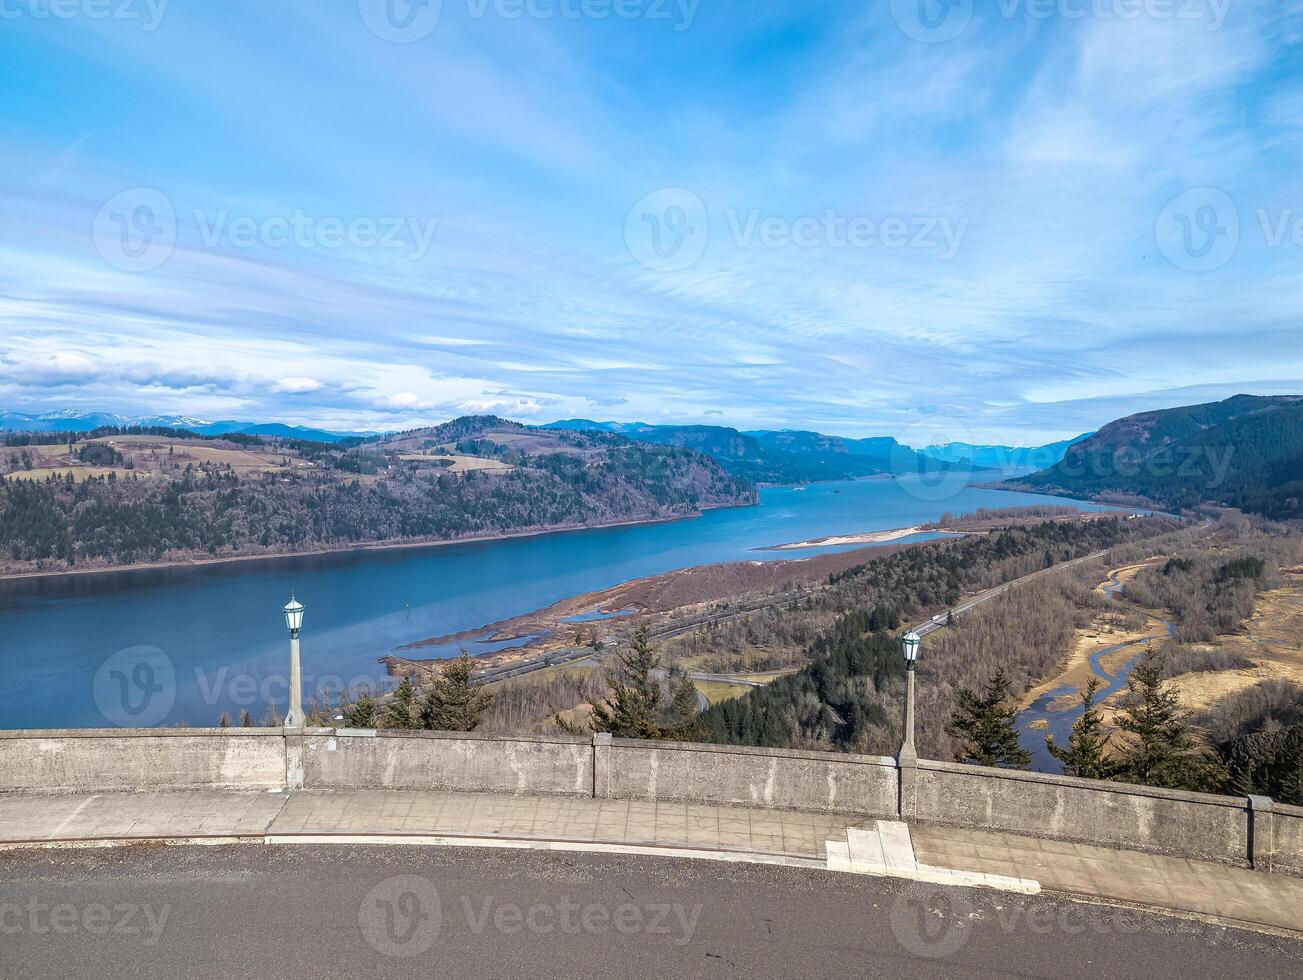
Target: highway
x,y
340,911
932,625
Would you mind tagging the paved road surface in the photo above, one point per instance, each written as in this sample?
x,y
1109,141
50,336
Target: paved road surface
x,y
345,912
932,625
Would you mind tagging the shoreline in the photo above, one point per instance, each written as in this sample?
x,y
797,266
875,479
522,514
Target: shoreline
x,y
354,548
6,577
837,540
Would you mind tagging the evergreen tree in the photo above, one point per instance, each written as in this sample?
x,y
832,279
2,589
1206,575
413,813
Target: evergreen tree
x,y
684,723
1087,752
984,725
632,707
453,703
246,720
362,713
402,712
1161,747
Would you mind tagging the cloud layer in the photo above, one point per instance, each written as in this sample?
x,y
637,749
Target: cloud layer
x,y
783,215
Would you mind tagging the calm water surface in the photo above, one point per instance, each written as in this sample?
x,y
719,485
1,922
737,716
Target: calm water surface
x,y
170,645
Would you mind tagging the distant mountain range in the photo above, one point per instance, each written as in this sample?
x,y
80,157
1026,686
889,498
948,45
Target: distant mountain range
x,y
761,456
72,421
1245,452
795,456
770,457
1004,457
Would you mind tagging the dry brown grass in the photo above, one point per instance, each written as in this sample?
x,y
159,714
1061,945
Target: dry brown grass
x,y
1272,641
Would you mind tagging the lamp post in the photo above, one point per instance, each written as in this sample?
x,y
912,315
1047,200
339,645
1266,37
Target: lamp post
x,y
294,620
909,645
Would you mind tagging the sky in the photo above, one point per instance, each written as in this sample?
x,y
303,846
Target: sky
x,y
943,220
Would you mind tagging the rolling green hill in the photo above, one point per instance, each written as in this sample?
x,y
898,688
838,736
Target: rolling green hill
x,y
1245,452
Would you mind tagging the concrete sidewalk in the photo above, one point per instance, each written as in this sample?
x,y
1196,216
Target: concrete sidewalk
x,y
1238,896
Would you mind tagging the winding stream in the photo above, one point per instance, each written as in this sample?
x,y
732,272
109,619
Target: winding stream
x,y
1060,723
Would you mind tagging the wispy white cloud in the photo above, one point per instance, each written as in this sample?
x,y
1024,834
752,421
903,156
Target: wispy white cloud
x,y
1048,147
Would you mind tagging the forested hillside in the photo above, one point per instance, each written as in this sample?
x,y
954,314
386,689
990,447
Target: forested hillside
x,y
1245,452
848,697
779,457
120,498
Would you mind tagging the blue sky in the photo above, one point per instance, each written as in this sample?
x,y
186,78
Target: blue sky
x,y
989,221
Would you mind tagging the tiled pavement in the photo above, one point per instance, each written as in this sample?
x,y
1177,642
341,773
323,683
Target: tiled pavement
x,y
207,813
1238,894
1244,896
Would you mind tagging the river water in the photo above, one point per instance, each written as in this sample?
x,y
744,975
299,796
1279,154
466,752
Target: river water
x,y
178,645
1059,723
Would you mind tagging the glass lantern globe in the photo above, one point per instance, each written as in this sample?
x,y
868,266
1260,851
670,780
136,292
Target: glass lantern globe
x,y
294,615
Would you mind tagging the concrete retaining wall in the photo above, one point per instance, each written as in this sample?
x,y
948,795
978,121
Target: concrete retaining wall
x,y
730,775
1287,827
1216,828
88,761
1212,828
469,763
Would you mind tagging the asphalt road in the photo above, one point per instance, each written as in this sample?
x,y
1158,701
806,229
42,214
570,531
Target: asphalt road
x,y
343,912
932,625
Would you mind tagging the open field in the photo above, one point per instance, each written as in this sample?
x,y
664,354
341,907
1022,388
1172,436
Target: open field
x,y
716,691
459,464
1272,640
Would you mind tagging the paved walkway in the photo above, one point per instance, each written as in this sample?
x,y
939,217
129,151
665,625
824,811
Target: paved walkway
x,y
1232,894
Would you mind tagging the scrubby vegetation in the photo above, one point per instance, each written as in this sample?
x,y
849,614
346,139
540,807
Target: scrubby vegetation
x,y
849,695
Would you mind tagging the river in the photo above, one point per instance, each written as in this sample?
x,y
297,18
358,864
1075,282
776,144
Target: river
x,y
78,650
1039,719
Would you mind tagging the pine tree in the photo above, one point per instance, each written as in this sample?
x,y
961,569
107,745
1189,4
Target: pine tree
x,y
1162,749
633,704
984,725
402,712
684,723
1087,752
362,713
453,703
